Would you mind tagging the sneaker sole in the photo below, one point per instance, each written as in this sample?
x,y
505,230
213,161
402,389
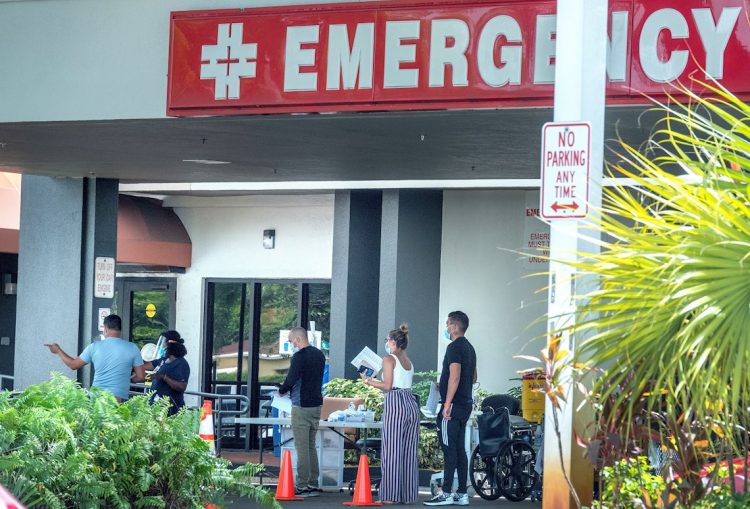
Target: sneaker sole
x,y
445,502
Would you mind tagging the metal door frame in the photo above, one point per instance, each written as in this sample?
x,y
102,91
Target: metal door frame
x,y
252,300
128,285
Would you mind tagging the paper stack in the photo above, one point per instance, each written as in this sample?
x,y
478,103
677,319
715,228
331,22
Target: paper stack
x,y
368,362
432,407
281,403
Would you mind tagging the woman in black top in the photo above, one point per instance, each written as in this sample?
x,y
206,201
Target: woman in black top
x,y
171,372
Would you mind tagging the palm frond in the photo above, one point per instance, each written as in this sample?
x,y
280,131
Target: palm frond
x,y
670,319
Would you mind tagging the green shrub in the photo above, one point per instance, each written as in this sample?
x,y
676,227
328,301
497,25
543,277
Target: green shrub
x,y
724,501
343,388
627,483
630,484
64,447
429,453
516,391
421,385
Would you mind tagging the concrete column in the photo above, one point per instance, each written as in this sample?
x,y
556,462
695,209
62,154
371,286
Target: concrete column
x,y
355,275
65,223
100,240
410,270
8,265
580,73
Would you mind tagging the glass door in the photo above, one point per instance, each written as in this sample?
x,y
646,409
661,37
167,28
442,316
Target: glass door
x,y
228,330
279,312
247,323
147,308
228,337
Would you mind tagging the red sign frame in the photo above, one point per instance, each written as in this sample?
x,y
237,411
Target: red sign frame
x,y
285,55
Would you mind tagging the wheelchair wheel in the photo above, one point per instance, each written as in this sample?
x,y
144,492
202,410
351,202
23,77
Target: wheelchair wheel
x,y
514,470
482,475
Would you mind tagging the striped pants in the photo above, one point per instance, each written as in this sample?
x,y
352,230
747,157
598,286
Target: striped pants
x,y
400,469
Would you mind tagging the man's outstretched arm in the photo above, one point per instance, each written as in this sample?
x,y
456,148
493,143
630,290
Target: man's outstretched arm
x,y
69,361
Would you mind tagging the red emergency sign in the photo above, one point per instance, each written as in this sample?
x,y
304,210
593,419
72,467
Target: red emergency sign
x,y
453,54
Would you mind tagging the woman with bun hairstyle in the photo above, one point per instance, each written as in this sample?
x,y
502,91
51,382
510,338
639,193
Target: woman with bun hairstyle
x,y
400,469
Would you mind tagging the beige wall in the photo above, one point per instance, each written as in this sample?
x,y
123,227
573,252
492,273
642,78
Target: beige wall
x,y
484,275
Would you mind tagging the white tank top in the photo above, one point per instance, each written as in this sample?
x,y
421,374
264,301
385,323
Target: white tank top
x,y
402,377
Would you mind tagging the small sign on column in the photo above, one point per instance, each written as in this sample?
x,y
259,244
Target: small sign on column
x,y
566,151
103,313
104,277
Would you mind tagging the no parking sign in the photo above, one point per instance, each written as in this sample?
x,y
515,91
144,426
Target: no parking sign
x,y
566,151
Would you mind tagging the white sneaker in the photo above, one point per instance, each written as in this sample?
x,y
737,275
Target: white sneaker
x,y
461,499
440,499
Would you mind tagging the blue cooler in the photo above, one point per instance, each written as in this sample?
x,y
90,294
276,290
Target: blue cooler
x,y
276,435
326,375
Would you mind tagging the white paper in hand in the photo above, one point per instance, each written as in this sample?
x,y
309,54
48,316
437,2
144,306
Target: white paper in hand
x,y
368,359
433,401
281,403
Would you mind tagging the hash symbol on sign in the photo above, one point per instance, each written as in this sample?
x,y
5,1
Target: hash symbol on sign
x,y
228,61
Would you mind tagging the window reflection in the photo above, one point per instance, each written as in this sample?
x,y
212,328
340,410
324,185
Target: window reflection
x,y
279,307
279,312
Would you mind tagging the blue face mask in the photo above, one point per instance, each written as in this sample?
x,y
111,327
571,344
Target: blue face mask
x,y
446,334
387,348
295,348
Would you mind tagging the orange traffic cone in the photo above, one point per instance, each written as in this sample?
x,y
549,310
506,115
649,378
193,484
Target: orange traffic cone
x,y
285,488
363,488
206,429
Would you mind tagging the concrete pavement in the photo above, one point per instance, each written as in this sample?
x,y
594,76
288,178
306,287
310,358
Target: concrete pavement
x,y
331,500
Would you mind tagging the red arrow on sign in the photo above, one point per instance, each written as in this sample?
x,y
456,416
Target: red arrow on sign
x,y
564,206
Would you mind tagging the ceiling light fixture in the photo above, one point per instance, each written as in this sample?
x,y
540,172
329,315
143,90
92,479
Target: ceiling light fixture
x,y
205,161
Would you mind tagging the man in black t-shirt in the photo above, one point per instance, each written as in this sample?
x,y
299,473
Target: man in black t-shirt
x,y
456,380
303,381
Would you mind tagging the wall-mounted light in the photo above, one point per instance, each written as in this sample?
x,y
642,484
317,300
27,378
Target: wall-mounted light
x,y
269,239
9,287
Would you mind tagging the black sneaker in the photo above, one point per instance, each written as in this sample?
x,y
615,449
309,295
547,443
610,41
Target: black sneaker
x,y
302,492
461,499
313,491
440,499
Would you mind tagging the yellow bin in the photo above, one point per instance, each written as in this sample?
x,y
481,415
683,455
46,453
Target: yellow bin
x,y
532,400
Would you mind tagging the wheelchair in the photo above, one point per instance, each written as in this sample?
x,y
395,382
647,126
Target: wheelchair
x,y
503,462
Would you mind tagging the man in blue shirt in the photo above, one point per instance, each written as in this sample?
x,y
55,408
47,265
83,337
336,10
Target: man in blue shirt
x,y
113,359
